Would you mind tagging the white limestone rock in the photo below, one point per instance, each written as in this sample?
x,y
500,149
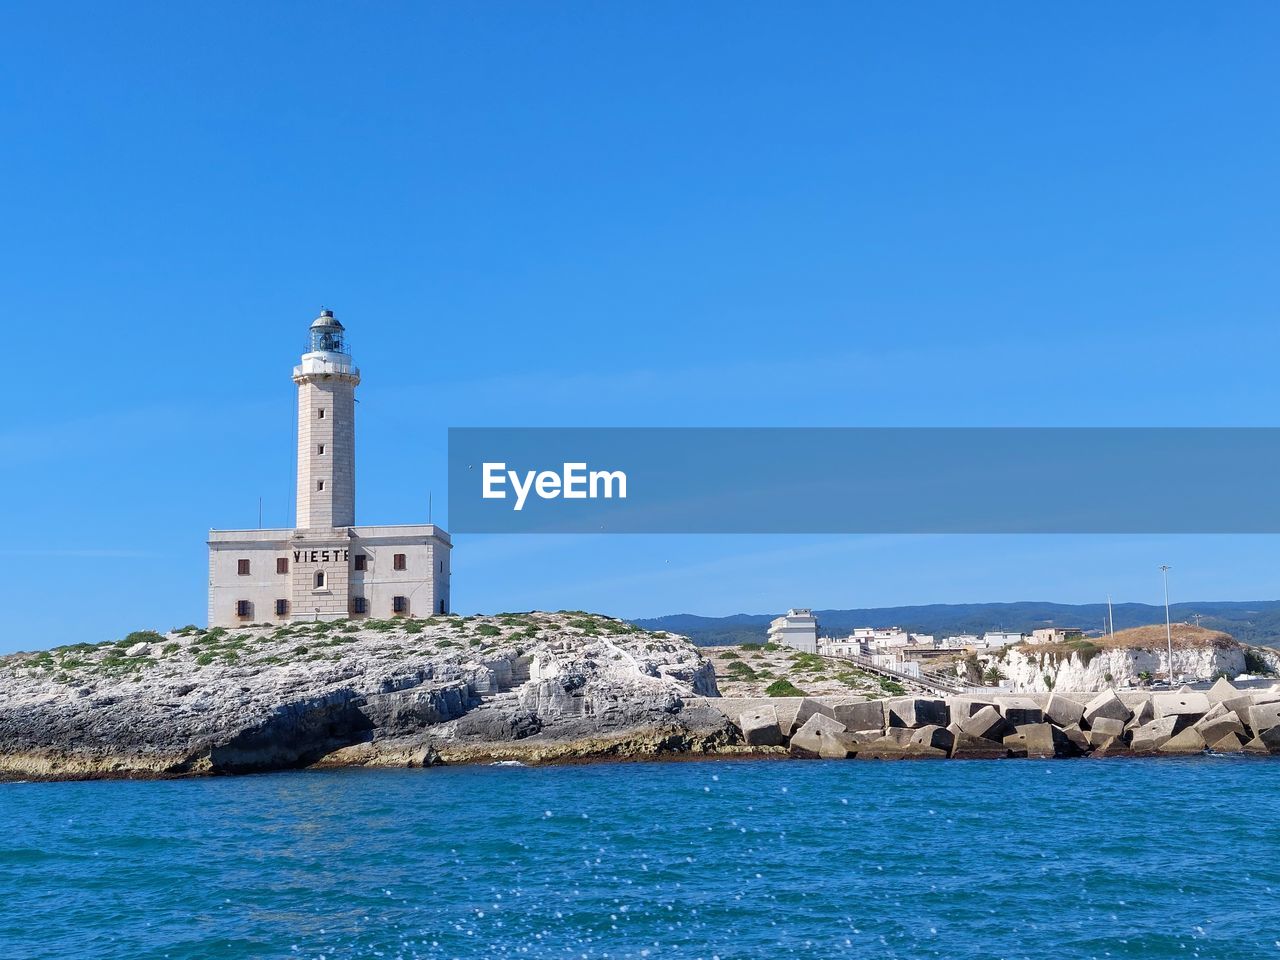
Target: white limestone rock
x,y
263,697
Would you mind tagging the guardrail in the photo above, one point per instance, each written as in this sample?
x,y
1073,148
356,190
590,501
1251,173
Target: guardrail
x,y
930,681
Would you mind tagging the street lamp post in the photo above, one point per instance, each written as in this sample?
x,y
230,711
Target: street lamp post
x,y
1168,630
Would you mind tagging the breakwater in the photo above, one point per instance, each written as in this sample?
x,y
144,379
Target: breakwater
x,y
1222,719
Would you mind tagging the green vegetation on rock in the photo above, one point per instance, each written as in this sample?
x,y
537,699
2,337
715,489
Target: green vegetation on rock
x,y
784,688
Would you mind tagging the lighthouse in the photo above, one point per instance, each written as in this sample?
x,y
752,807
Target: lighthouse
x,y
327,381
326,567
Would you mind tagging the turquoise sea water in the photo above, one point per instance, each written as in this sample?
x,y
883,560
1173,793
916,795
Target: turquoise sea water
x,y
1068,859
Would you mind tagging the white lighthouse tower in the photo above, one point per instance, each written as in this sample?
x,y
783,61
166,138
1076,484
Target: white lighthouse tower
x,y
326,567
327,381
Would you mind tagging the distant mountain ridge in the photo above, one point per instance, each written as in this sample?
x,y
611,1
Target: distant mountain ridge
x,y
1251,621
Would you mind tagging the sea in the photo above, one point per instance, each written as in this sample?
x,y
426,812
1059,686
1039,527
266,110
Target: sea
x,y
716,860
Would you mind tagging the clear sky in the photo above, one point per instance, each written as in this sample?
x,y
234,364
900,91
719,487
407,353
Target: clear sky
x,y
647,214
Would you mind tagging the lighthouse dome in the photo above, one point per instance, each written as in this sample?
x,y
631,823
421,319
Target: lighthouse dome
x,y
327,334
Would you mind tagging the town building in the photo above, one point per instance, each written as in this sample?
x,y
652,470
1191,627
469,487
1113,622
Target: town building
x,y
892,661
842,647
1056,634
874,637
326,567
797,628
1000,638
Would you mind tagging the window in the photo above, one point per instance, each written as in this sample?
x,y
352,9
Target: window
x,y
442,566
359,605
442,606
320,449
282,608
362,561
319,484
398,563
242,567
320,413
282,564
244,608
319,579
399,604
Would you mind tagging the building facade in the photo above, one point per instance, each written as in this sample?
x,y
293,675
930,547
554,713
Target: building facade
x,y
327,568
797,628
1055,634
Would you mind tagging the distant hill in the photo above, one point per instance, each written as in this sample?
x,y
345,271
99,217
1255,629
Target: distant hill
x,y
1252,621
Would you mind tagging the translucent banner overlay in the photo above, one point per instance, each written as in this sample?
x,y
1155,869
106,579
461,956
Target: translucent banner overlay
x,y
864,480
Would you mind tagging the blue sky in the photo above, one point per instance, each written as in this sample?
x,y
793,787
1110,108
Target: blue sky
x,y
662,214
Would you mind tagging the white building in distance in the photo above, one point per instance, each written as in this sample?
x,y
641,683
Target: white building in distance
x,y
997,638
1055,634
871,641
863,641
797,628
327,568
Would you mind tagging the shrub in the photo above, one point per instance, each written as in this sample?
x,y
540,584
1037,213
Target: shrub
x,y
413,626
784,688
488,630
808,661
738,670
140,636
1254,663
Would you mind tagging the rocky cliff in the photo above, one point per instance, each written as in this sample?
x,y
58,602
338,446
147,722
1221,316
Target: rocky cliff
x,y
533,687
1128,659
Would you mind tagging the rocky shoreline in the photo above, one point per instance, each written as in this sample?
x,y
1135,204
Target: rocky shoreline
x,y
532,688
536,687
